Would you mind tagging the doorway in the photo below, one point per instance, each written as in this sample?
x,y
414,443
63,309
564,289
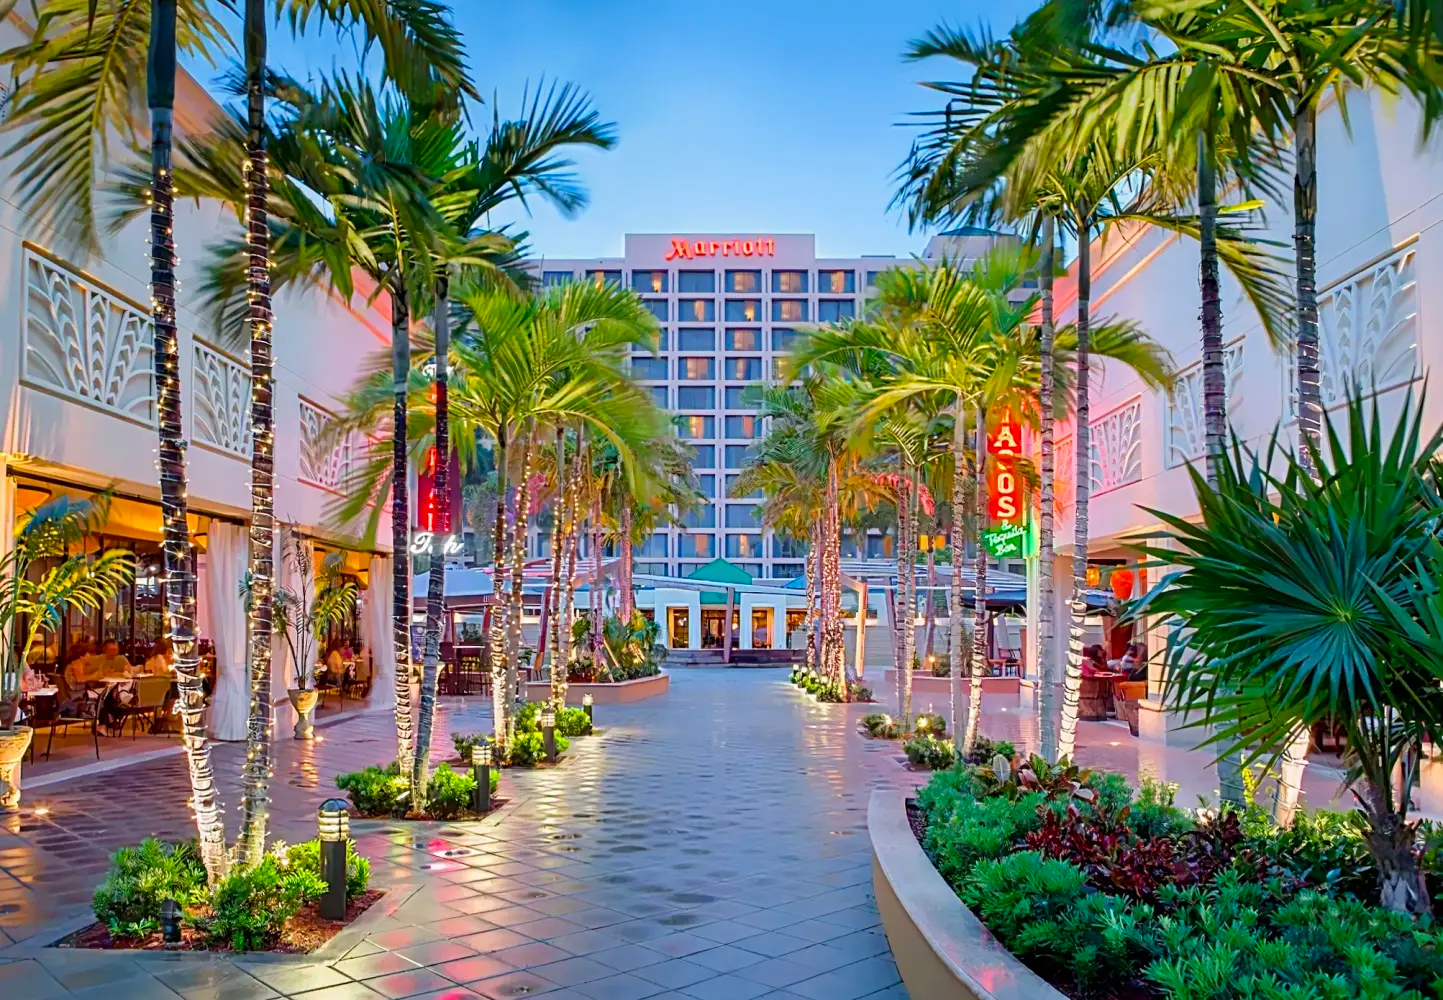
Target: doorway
x,y
761,628
678,631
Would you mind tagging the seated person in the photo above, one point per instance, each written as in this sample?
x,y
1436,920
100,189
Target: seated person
x,y
1134,662
109,662
335,665
160,659
79,667
32,680
1093,661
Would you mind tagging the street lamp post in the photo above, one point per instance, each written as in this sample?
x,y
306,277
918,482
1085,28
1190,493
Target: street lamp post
x,y
335,830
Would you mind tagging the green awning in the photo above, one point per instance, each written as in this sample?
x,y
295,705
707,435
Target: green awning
x,y
718,571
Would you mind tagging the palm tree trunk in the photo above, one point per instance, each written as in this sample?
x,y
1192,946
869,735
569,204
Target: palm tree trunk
x,y
977,650
831,654
1215,404
568,578
561,614
496,637
594,605
257,768
401,523
558,535
623,578
518,578
957,656
909,608
1072,683
812,567
1046,656
436,582
931,615
1290,778
902,605
178,584
1305,224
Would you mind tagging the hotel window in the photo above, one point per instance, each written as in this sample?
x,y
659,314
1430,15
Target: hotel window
x,y
743,515
872,277
738,455
697,427
743,397
703,456
649,369
706,486
655,545
550,279
744,427
743,282
648,281
599,278
751,569
693,338
787,547
731,490
788,571
702,517
849,547
743,340
879,547
659,396
695,397
744,546
744,311
744,369
836,282
783,338
696,369
789,282
832,310
652,569
696,281
789,310
691,546
696,310
658,308
778,369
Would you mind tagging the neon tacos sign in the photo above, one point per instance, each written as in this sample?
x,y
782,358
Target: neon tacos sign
x,y
761,246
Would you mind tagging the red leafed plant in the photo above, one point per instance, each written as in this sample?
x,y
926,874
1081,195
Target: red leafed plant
x,y
1115,859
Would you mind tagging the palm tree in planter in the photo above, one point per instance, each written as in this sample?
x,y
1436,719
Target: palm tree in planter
x,y
34,600
303,614
1304,599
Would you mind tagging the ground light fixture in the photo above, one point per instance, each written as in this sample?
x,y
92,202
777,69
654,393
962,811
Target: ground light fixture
x,y
548,733
481,771
170,923
922,724
587,701
334,827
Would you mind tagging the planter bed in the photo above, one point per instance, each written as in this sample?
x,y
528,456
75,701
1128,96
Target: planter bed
x,y
303,934
617,693
923,683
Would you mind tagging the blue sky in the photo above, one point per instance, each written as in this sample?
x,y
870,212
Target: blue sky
x,y
746,115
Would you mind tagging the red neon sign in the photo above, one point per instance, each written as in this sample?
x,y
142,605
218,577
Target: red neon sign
x,y
762,246
1004,490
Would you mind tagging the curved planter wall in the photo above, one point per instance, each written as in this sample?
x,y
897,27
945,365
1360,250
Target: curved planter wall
x,y
620,693
942,951
941,687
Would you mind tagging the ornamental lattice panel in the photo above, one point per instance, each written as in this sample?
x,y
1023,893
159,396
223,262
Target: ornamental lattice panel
x,y
1367,330
1185,435
1116,448
325,457
221,390
85,342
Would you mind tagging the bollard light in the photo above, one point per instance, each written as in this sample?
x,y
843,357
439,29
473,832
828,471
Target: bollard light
x,y
922,724
170,923
548,733
481,771
334,826
586,703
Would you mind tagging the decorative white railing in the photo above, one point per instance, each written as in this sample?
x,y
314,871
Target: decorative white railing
x,y
326,457
86,342
1116,447
221,394
1185,433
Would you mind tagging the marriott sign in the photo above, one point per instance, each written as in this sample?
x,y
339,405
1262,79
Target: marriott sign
x,y
760,246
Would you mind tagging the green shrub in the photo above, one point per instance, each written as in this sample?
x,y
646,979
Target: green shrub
x,y
529,747
934,724
373,791
881,727
306,856
930,752
527,717
140,879
250,906
465,743
573,722
448,793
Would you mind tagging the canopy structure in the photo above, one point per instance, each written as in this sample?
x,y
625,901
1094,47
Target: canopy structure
x,y
465,589
719,571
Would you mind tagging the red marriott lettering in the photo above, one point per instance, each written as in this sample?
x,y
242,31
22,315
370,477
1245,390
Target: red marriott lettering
x,y
762,246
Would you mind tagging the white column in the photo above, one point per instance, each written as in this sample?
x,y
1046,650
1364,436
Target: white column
x,y
225,564
376,620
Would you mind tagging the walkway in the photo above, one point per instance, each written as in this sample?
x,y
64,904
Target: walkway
x,y
710,844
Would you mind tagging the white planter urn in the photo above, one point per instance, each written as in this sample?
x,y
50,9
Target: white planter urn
x,y
304,702
13,744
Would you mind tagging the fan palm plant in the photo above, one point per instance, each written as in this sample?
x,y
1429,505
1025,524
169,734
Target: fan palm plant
x,y
1308,591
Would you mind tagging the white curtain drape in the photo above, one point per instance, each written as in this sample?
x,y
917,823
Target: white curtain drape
x,y
225,564
376,630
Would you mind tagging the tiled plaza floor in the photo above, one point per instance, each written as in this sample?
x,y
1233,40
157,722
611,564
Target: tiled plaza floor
x,y
708,844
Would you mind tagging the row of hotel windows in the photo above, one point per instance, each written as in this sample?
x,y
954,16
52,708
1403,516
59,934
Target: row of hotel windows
x,y
736,455
750,310
829,282
693,545
703,338
703,397
697,369
705,516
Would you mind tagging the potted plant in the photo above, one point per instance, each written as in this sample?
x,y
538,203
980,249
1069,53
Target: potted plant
x,y
34,600
302,616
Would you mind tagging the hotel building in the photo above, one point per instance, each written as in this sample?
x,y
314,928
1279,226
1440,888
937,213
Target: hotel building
x,y
730,305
